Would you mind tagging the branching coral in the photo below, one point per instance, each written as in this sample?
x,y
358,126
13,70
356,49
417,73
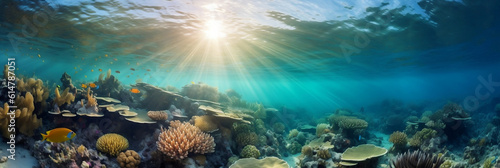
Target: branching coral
x,y
112,144
66,97
37,89
25,121
421,136
182,138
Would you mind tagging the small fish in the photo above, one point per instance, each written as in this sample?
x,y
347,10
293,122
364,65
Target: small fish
x,y
192,82
110,62
85,76
92,85
75,67
134,90
148,69
359,138
105,55
58,86
115,59
494,160
100,70
43,60
84,86
132,69
97,87
58,135
92,70
117,71
39,56
128,63
128,76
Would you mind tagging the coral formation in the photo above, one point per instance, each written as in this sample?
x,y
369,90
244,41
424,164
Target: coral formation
x,y
249,138
307,151
201,91
416,159
112,144
37,89
250,151
26,121
66,97
182,138
322,129
293,133
294,147
361,153
279,127
268,162
128,159
421,136
205,123
158,115
324,154
399,139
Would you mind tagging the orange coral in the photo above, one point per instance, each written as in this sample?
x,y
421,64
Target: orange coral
x,y
91,101
182,138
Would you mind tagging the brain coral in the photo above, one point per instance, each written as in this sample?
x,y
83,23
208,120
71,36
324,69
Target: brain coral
x,y
129,159
112,144
353,123
250,151
182,138
250,138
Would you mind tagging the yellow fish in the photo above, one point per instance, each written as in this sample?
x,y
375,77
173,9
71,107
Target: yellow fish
x,y
58,135
84,86
192,82
92,70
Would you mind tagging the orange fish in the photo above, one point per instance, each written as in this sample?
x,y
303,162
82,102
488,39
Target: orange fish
x,y
148,69
115,59
132,69
84,86
134,90
117,71
100,70
92,70
92,85
58,135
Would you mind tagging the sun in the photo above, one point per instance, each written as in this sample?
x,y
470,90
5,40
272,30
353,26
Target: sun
x,y
214,29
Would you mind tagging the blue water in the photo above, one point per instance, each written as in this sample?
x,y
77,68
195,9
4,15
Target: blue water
x,y
314,55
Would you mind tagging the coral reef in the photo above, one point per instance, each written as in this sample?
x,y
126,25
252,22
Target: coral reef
x,y
279,127
64,155
128,159
250,151
358,154
422,136
322,129
205,123
182,138
112,144
66,97
293,133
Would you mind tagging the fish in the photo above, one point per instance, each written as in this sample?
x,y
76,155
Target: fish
x,y
97,87
105,55
128,76
84,86
92,85
100,70
75,67
115,59
132,69
39,56
192,82
494,160
85,76
92,70
148,69
58,86
117,71
134,90
359,138
58,135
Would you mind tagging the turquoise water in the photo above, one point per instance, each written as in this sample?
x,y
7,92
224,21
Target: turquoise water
x,y
277,52
314,56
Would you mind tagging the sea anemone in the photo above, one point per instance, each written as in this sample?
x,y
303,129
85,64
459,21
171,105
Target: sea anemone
x,y
416,159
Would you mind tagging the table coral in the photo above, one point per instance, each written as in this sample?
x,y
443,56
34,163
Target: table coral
x,y
182,138
112,144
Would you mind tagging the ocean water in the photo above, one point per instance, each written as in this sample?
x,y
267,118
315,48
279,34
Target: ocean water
x,y
308,58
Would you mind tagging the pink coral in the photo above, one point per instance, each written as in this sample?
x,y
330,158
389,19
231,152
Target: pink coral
x,y
182,138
